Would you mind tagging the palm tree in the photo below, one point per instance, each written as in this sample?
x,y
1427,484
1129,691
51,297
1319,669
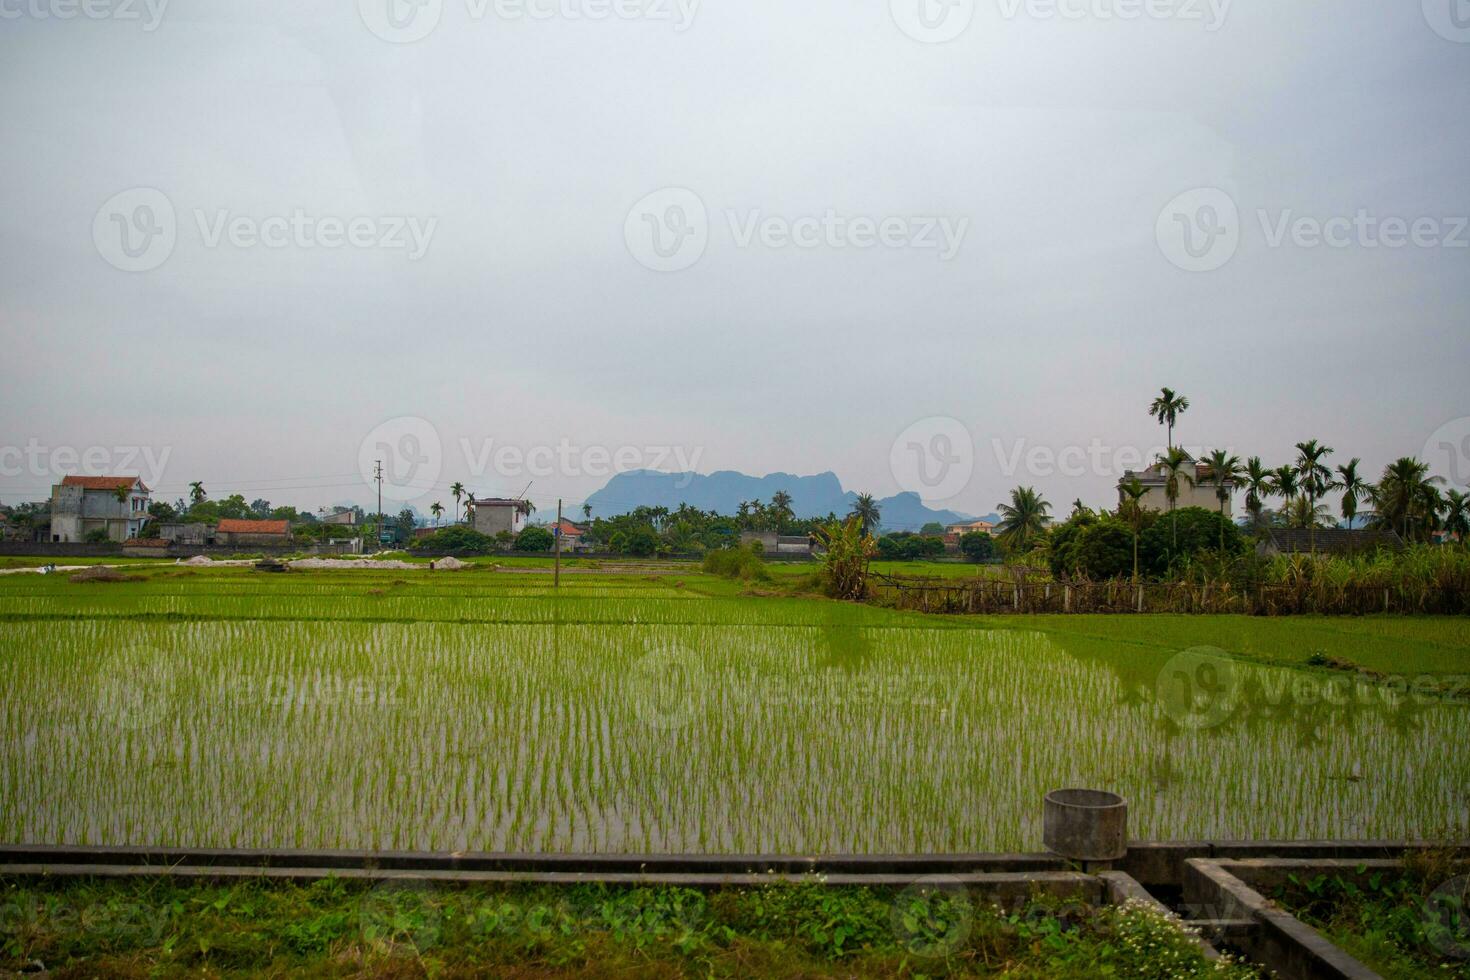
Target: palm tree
x,y
586,512
1167,408
196,492
1405,487
1079,509
781,508
1257,485
1131,510
1023,520
1284,485
1225,472
1354,488
1316,479
865,509
457,489
1457,515
1173,467
436,509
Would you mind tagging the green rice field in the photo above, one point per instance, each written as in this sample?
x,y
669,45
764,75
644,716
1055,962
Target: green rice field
x,y
668,713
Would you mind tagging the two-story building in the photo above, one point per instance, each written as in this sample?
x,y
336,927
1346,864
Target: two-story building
x,y
496,514
1196,485
116,505
954,532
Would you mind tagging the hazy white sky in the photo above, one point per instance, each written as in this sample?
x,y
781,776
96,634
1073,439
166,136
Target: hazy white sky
x,y
532,156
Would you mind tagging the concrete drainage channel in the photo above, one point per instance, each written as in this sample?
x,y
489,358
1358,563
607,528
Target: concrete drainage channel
x,y
1215,886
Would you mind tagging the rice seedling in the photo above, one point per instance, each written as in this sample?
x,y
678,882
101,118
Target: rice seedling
x,y
638,717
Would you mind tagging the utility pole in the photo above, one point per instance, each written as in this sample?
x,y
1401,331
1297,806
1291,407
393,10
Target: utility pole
x,y
378,475
556,547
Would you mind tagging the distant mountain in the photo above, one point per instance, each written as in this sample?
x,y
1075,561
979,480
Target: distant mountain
x,y
811,496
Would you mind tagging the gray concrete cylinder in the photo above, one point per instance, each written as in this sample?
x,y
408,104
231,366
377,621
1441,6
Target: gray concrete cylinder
x,y
1085,824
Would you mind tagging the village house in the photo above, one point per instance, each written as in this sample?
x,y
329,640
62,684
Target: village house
x,y
1196,487
81,505
345,516
778,544
954,532
233,532
496,514
1326,541
570,534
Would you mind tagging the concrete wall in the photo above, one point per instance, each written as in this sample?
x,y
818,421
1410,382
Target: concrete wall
x,y
493,520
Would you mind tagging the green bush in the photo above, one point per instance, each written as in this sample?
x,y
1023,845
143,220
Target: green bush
x,y
1105,550
456,540
534,539
641,542
741,563
907,546
97,536
977,546
1198,531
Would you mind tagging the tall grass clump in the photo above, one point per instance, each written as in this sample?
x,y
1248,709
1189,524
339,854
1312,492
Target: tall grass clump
x,y
1425,578
742,563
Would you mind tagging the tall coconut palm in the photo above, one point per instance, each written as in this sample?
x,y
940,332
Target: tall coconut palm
x,y
1316,479
865,509
781,509
196,492
1167,408
437,509
1284,485
1354,489
457,489
1404,490
586,512
1257,485
1457,515
1130,508
1175,474
1023,520
1225,473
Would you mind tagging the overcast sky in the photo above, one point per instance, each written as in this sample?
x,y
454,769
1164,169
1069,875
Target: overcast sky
x,y
592,229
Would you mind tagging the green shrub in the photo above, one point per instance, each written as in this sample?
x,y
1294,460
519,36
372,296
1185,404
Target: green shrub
x,y
741,563
977,546
534,539
97,536
456,540
1176,539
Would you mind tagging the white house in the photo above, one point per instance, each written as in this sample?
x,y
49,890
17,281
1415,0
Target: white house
x,y
83,504
496,514
1197,487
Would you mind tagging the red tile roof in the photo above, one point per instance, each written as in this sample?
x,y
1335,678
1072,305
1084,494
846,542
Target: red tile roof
x,y
99,482
231,525
569,530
